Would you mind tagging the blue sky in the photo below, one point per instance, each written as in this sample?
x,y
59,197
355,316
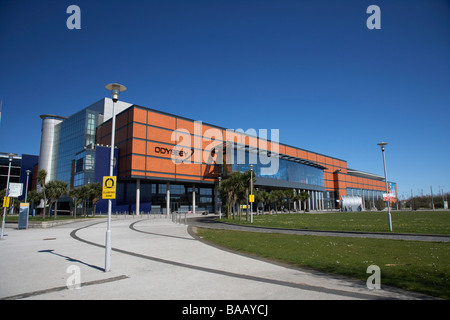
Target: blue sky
x,y
311,69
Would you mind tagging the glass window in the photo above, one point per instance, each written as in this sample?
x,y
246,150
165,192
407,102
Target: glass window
x,y
287,170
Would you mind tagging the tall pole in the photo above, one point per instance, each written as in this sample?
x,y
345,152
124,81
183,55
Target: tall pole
x,y
111,172
383,144
432,200
251,192
115,89
26,189
10,156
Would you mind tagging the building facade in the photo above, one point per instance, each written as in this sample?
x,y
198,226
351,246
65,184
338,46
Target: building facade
x,y
166,162
172,162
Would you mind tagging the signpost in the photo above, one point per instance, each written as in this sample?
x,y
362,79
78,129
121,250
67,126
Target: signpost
x,y
15,189
109,187
23,216
6,202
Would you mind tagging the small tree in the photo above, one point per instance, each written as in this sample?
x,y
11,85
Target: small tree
x,y
95,194
380,205
84,195
34,198
289,194
303,196
55,190
75,195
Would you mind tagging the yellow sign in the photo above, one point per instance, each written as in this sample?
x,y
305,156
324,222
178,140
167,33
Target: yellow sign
x,y
6,202
109,187
251,198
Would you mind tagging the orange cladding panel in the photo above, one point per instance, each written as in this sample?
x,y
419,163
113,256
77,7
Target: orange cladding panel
x,y
158,134
140,115
138,162
139,131
161,120
160,165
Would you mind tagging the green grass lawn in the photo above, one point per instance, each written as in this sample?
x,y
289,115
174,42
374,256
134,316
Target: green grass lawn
x,y
428,222
418,266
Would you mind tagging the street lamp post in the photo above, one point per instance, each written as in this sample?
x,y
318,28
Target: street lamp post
x,y
251,192
26,188
115,89
10,157
383,145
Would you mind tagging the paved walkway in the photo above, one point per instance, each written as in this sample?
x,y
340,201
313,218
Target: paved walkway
x,y
155,259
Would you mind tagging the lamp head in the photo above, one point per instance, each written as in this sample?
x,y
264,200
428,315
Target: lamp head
x,y
382,145
115,89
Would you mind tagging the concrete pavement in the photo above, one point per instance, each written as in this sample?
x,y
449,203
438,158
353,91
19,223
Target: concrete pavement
x,y
154,259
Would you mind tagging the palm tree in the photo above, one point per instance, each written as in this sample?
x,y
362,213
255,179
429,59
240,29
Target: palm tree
x,y
41,176
246,181
84,195
277,197
75,195
233,190
303,196
95,194
262,196
34,198
55,190
289,195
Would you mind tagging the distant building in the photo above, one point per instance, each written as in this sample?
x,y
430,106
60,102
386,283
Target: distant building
x,y
19,166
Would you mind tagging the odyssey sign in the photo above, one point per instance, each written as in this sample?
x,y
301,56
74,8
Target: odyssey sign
x,y
181,153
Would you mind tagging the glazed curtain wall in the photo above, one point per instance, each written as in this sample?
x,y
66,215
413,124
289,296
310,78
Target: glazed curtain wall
x,y
290,171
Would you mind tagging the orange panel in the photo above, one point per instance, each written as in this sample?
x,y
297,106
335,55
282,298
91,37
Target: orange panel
x,y
213,134
312,156
302,154
161,120
185,124
263,144
160,135
212,130
160,175
138,146
291,152
160,165
185,139
193,179
209,144
275,147
139,131
137,162
140,115
189,168
321,159
138,173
